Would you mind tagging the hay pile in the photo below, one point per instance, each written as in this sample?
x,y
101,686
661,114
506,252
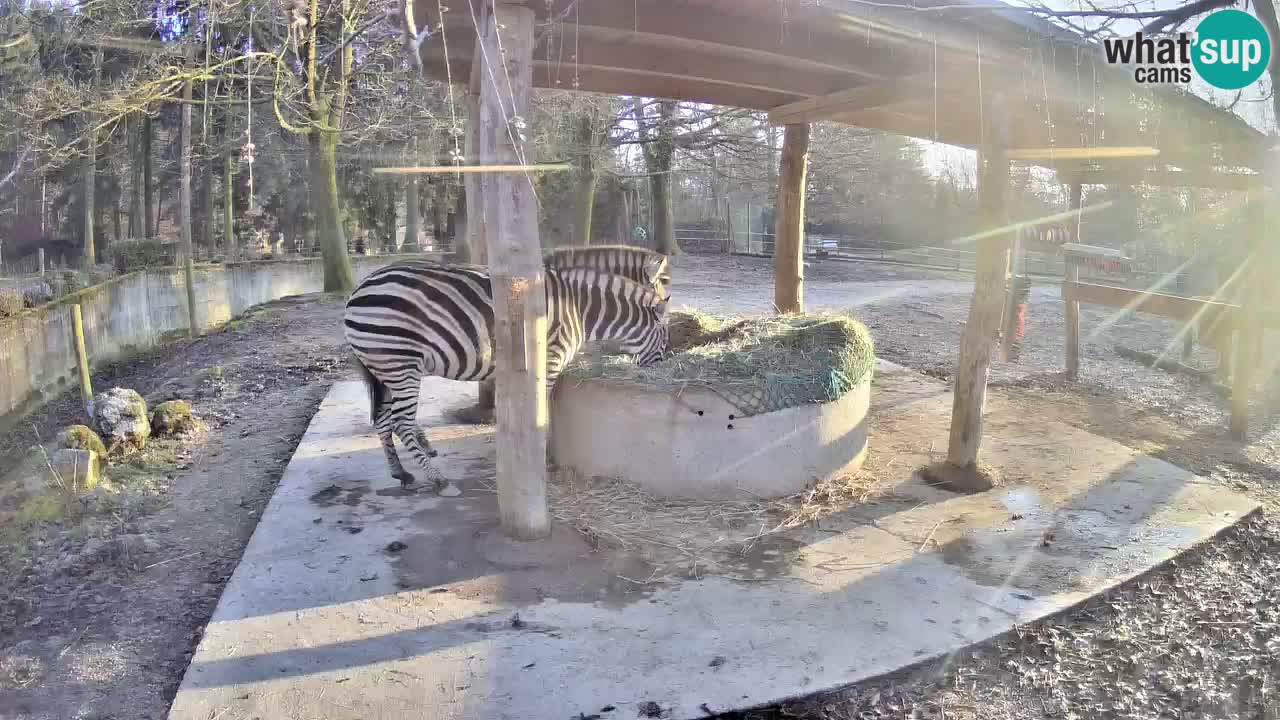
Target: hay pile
x,y
759,364
696,538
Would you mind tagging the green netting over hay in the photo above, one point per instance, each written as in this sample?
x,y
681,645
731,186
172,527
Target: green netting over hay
x,y
758,365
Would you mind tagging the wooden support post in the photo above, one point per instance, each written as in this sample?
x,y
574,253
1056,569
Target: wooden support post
x,y
1072,275
515,265
40,260
992,264
82,360
477,186
788,245
1249,332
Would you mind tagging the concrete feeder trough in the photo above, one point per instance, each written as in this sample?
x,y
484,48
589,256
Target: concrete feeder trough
x,y
694,446
687,441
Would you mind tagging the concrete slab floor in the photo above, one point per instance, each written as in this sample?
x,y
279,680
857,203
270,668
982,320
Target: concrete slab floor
x,y
356,600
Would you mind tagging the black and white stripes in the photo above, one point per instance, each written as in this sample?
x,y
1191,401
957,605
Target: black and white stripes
x,y
638,264
418,318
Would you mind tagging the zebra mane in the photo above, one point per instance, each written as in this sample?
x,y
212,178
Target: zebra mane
x,y
642,292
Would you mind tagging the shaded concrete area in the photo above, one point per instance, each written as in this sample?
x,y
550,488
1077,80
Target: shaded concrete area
x,y
356,600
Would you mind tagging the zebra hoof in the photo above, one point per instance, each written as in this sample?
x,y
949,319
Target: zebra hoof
x,y
448,489
405,478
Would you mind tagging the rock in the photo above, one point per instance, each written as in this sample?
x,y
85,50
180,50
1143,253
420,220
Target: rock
x,y
78,469
121,416
37,294
173,417
82,437
120,550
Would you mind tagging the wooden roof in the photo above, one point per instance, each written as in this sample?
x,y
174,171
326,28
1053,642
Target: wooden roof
x,y
916,70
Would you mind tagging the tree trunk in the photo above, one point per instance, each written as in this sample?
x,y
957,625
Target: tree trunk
x,y
658,158
663,215
87,188
148,204
389,229
338,275
439,210
229,206
184,177
585,179
412,215
116,218
461,248
206,203
135,182
788,249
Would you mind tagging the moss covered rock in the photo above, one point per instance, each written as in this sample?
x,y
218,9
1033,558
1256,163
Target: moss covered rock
x,y
82,437
121,416
173,417
76,470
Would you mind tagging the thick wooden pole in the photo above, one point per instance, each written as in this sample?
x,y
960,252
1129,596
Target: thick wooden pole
x,y
988,293
82,360
515,265
1072,270
788,246
476,185
475,189
1249,332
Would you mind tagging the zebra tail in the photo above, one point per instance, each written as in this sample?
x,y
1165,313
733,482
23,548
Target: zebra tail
x,y
374,386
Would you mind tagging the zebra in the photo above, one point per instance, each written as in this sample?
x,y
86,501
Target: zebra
x,y
416,318
641,265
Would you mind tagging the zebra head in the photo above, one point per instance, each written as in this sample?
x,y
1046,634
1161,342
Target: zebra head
x,y
650,341
657,274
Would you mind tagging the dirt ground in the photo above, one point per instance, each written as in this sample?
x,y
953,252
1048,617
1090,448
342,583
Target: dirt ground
x,y
1197,639
86,634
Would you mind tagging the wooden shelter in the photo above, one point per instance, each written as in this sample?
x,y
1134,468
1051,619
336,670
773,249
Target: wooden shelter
x,y
997,79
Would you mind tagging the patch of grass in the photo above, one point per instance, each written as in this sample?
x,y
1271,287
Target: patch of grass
x,y
48,506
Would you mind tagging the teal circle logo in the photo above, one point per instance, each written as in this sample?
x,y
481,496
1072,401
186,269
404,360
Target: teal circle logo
x,y
1232,49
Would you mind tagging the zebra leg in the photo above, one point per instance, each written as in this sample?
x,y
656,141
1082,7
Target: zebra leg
x,y
416,441
387,437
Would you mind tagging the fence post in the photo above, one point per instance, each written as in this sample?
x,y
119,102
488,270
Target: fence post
x,y
40,259
82,360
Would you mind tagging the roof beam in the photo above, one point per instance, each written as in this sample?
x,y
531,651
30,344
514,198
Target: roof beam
x,y
705,29
1165,178
621,81
863,97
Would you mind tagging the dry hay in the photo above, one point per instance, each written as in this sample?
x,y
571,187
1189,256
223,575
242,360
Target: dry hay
x,y
694,538
760,364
